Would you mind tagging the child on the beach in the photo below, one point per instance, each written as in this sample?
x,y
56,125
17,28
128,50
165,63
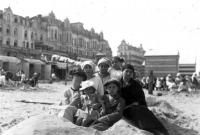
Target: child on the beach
x,y
90,105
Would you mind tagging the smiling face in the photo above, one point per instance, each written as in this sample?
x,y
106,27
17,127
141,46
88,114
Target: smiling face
x,y
112,89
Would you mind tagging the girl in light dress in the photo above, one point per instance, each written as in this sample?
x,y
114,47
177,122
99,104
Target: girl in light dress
x,y
91,105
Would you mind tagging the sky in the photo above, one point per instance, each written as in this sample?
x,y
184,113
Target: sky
x,y
156,24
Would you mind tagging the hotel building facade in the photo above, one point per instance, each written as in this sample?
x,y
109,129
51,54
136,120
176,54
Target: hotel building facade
x,y
31,37
132,55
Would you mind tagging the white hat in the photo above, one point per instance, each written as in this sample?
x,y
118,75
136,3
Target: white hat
x,y
104,60
87,84
88,63
178,74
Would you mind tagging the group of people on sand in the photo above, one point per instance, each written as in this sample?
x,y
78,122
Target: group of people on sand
x,y
176,83
7,78
102,94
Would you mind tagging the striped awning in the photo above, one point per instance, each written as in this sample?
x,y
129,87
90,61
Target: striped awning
x,y
61,65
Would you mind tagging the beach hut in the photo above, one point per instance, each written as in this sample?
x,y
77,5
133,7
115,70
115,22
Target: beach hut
x,y
34,65
9,63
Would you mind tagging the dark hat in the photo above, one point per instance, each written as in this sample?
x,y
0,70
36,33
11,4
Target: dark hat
x,y
112,80
78,71
128,66
117,58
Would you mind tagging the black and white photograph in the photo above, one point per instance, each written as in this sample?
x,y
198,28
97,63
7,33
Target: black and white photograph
x,y
99,67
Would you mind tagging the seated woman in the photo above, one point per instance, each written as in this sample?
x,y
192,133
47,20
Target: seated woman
x,y
136,110
34,79
103,66
114,106
89,68
91,103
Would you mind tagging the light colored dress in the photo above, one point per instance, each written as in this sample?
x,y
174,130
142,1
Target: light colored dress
x,y
117,74
87,111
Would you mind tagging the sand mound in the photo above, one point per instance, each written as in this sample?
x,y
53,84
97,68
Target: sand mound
x,y
52,125
172,118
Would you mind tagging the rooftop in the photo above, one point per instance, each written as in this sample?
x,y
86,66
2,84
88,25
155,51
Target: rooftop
x,y
161,52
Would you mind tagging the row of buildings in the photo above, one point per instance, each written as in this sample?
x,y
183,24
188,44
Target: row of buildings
x,y
31,37
162,63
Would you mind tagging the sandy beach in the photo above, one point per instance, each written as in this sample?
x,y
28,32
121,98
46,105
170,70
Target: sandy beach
x,y
182,114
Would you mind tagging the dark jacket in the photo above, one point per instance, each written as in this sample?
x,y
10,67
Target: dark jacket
x,y
114,112
132,92
114,108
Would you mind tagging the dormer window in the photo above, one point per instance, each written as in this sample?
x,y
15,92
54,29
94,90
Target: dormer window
x,y
8,17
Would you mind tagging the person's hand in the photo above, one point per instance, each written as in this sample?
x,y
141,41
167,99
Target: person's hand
x,y
103,112
135,103
104,119
96,106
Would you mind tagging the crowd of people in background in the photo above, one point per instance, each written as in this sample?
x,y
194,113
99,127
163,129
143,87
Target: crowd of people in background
x,y
19,79
176,83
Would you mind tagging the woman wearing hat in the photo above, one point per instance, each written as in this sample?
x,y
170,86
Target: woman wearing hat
x,y
89,68
103,65
136,110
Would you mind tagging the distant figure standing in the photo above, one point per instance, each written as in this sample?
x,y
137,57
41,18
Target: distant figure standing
x,y
151,82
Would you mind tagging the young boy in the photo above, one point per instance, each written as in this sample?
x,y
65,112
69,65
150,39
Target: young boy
x,y
90,104
71,96
114,106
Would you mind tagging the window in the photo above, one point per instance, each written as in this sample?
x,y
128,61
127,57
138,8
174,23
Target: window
x,y
8,31
32,37
27,45
1,42
24,44
1,29
51,34
41,38
8,42
15,43
25,35
16,20
55,34
15,32
1,16
36,36
32,46
8,17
